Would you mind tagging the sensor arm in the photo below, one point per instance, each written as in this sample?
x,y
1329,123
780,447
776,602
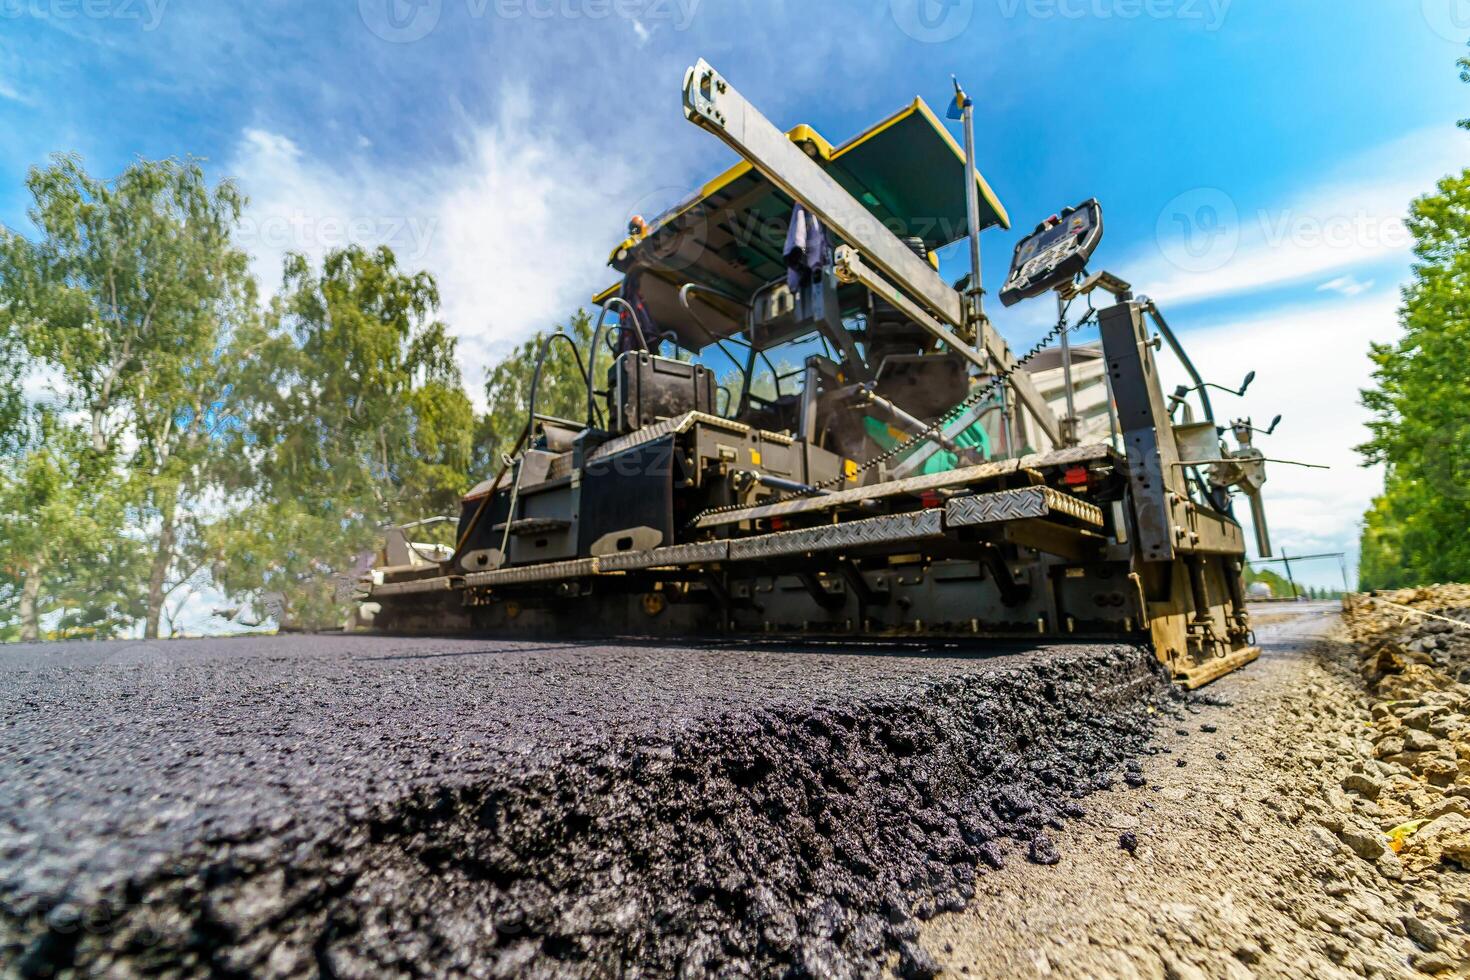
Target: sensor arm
x,y
1153,311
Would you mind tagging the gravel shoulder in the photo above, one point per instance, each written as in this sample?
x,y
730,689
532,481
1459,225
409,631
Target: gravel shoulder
x,y
1249,858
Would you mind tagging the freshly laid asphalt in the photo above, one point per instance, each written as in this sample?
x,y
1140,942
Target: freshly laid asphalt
x,y
118,758
115,754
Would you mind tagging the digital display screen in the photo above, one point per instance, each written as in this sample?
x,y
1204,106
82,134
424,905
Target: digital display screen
x,y
1053,254
1074,224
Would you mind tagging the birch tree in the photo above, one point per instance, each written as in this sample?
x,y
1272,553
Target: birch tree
x,y
131,290
355,417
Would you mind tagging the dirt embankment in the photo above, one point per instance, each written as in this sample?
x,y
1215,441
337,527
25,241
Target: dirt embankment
x,y
1409,799
1310,824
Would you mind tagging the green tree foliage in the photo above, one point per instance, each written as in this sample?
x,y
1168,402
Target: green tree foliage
x,y
354,416
1415,531
196,435
13,366
66,550
562,393
131,292
1464,64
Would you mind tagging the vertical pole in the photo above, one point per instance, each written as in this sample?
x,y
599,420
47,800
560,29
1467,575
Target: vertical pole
x,y
1069,424
972,206
977,281
1291,581
1005,424
1009,416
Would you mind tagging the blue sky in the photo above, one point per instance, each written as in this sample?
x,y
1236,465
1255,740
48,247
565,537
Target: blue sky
x,y
1254,157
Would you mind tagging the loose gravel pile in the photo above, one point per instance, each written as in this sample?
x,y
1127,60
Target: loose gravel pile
x,y
799,814
1416,668
1405,806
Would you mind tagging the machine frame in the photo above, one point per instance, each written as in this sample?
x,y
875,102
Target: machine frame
x,y
674,520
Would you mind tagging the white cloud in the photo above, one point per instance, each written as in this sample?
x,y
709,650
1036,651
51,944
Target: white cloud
x,y
1346,286
516,230
526,222
9,91
1311,361
301,205
1211,244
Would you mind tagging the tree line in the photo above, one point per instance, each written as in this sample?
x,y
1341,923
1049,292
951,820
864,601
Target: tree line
x,y
1417,531
164,428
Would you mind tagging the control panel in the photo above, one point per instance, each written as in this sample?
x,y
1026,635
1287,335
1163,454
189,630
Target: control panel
x,y
1055,252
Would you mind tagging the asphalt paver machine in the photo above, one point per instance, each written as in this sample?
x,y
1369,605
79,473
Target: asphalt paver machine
x,y
795,426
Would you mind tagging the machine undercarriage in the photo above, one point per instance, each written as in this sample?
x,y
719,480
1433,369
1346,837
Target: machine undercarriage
x,y
906,477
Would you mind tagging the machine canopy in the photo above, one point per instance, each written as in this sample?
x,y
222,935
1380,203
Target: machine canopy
x,y
728,237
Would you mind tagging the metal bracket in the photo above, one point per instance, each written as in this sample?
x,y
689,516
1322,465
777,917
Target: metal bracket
x,y
1098,280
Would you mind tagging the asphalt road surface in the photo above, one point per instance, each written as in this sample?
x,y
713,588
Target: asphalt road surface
x,y
299,804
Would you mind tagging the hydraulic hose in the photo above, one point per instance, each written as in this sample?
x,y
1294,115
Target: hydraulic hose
x,y
515,487
597,342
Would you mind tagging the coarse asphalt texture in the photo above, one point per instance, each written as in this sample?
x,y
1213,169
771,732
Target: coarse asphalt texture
x,y
361,805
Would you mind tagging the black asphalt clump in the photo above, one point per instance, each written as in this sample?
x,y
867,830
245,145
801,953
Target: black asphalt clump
x,y
914,963
1128,841
536,811
993,856
1043,851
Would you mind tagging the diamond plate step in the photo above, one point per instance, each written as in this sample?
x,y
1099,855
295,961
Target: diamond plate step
x,y
549,572
1015,505
672,555
834,537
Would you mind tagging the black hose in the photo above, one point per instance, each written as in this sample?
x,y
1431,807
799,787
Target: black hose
x,y
586,375
684,301
515,487
633,315
596,342
592,362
